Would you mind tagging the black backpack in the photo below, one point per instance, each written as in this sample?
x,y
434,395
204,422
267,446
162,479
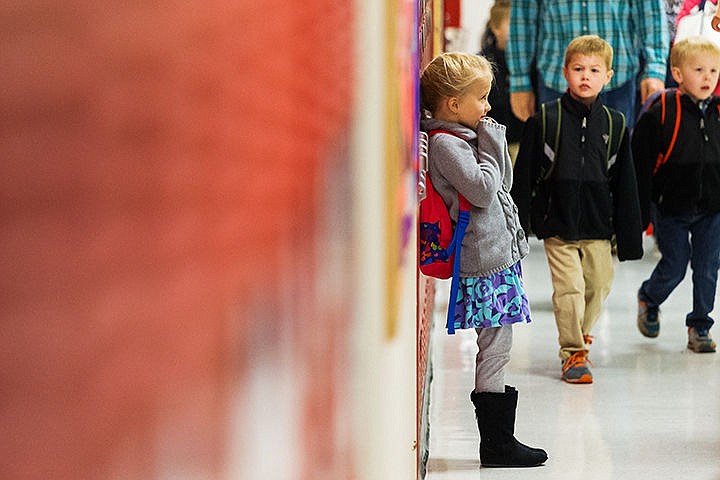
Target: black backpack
x,y
551,113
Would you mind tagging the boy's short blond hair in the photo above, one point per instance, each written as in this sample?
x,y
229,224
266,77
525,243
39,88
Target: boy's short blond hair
x,y
589,45
692,46
450,75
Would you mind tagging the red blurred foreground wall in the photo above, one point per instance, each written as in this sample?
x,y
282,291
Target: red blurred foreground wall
x,y
162,192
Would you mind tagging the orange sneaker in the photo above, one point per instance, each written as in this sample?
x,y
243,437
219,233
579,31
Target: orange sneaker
x,y
575,369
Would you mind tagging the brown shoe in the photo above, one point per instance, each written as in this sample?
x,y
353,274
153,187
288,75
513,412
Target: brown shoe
x,y
700,341
648,319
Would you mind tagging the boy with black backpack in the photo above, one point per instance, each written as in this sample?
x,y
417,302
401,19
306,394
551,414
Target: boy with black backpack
x,y
575,188
676,146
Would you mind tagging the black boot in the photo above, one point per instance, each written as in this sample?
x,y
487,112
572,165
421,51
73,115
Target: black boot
x,y
495,414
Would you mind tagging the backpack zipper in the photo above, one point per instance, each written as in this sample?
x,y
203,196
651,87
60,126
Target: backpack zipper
x,y
702,163
582,171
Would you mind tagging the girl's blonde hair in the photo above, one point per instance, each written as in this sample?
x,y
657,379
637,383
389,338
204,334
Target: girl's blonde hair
x,y
691,46
589,45
450,75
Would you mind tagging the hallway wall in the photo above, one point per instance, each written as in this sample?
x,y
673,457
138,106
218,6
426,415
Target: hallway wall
x,y
168,307
474,15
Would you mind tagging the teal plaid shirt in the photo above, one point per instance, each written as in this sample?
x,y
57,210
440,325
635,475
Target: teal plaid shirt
x,y
636,29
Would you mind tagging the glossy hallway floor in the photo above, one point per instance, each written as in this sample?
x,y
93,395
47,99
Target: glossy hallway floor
x,y
653,412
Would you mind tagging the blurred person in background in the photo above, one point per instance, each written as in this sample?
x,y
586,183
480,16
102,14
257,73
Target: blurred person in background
x,y
540,31
493,43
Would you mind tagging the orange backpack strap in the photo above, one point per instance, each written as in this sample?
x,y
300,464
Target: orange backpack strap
x,y
663,157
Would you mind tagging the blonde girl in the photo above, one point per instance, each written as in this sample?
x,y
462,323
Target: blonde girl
x,y
468,154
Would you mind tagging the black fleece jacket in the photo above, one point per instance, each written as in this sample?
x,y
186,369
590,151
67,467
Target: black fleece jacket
x,y
583,199
689,182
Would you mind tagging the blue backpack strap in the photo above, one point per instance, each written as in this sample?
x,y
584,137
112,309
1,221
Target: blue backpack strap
x,y
456,247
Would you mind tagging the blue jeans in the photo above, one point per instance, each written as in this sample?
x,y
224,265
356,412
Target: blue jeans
x,y
682,239
621,98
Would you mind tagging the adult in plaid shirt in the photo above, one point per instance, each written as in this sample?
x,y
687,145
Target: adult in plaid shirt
x,y
540,30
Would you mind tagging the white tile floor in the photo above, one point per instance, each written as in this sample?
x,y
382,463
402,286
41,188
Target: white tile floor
x,y
652,413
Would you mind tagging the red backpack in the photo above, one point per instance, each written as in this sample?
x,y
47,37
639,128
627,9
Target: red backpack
x,y
439,240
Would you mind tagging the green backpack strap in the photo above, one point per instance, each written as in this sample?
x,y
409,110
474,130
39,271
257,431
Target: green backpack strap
x,y
551,124
551,119
616,131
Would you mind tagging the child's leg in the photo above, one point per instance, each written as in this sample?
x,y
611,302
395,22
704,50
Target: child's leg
x,y
705,261
597,266
672,236
493,355
568,293
495,404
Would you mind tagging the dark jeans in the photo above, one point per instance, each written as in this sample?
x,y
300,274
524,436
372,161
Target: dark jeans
x,y
621,98
682,239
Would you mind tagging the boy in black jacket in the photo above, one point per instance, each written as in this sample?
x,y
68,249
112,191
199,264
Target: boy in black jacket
x,y
576,198
683,188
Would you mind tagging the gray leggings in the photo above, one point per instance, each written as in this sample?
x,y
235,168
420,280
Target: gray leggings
x,y
493,355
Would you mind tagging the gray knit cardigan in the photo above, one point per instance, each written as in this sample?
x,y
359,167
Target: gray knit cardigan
x,y
479,166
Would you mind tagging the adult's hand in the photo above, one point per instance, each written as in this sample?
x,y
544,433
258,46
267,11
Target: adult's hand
x,y
648,86
716,23
522,104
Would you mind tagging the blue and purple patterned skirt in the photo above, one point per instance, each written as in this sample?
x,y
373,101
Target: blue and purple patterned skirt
x,y
492,301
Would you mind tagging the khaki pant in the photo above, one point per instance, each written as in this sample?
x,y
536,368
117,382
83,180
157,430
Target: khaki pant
x,y
582,274
513,149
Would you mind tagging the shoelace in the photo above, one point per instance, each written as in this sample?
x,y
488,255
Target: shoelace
x,y
588,339
577,359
